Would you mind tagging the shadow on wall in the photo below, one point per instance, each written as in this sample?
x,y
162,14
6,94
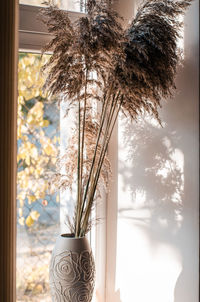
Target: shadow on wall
x,y
188,236
160,172
161,168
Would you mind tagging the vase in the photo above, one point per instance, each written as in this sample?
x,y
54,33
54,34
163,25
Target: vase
x,y
72,270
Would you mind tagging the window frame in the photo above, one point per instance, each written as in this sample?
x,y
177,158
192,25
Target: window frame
x,y
33,34
8,160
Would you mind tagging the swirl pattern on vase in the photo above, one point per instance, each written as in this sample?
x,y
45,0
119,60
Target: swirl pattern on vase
x,y
66,267
81,295
72,276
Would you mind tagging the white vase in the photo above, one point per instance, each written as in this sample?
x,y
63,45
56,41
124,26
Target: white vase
x,y
72,270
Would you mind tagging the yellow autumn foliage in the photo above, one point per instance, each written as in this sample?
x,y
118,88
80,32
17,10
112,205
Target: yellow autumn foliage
x,y
35,149
29,221
33,216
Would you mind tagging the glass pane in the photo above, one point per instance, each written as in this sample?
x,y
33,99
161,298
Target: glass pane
x,y
38,208
71,5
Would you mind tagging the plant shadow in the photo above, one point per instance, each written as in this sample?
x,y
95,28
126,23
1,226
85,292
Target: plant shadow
x,y
159,171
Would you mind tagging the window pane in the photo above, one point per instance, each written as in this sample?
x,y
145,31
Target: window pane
x,y
38,208
71,5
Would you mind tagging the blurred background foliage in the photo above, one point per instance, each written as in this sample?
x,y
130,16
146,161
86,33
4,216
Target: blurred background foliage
x,y
37,147
38,207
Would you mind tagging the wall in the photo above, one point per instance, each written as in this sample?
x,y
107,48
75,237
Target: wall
x,y
152,209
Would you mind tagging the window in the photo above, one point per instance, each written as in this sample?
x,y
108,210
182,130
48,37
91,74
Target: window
x,y
40,214
38,208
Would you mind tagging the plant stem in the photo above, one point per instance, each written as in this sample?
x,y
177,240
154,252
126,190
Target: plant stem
x,y
78,169
100,163
109,119
82,156
105,149
102,119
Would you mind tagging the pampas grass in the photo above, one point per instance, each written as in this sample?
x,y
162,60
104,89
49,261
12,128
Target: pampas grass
x,y
97,63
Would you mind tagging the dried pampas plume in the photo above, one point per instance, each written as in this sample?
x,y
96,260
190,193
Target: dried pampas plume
x,y
147,73
97,64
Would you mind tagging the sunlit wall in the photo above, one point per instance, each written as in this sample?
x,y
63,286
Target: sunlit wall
x,y
152,225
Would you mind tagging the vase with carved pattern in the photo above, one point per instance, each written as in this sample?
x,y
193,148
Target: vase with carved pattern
x,y
72,270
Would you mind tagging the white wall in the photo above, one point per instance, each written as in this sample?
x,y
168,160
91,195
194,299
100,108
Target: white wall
x,y
152,209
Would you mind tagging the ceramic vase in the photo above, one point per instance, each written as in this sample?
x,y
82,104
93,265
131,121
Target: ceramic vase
x,y
72,270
